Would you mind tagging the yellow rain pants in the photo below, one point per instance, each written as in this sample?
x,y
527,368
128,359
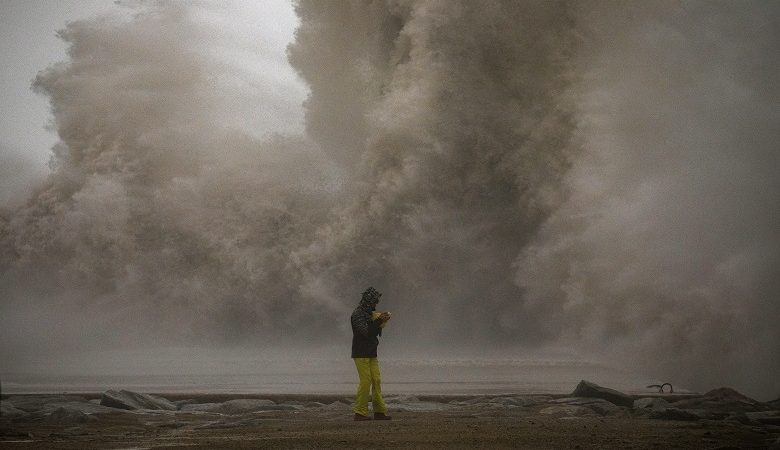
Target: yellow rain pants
x,y
370,379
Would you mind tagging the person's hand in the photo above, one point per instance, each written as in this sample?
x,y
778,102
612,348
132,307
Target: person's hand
x,y
384,317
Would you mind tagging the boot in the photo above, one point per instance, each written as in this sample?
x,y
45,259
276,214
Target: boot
x,y
381,416
360,417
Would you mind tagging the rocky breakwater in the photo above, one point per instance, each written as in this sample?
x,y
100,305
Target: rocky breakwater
x,y
721,415
722,404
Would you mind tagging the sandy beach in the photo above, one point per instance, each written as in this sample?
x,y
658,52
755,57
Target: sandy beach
x,y
721,419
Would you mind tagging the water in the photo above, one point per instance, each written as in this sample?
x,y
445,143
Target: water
x,y
338,376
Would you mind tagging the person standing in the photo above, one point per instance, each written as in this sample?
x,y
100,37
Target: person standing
x,y
365,339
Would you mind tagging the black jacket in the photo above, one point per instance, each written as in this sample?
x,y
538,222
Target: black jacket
x,y
364,332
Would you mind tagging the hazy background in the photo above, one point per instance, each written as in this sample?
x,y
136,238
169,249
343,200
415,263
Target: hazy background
x,y
575,181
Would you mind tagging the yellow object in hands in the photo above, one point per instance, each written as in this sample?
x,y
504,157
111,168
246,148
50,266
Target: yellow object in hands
x,y
375,315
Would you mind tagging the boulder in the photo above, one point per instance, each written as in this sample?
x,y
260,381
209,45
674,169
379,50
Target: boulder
x,y
593,390
244,405
7,410
567,411
577,400
84,407
305,403
765,417
337,406
604,407
723,400
651,403
135,400
33,403
741,418
281,407
237,406
417,407
476,400
411,403
598,405
674,414
514,401
203,407
402,398
63,416
47,404
728,394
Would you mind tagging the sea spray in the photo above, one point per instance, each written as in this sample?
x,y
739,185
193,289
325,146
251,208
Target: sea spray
x,y
511,175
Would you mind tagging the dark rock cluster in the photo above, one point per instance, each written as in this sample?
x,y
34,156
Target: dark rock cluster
x,y
717,404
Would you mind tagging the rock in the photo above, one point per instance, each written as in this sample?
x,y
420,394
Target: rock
x,y
203,407
723,400
416,407
741,418
645,406
7,410
598,405
578,400
476,400
514,401
588,389
765,417
674,414
32,403
46,404
62,416
305,403
237,406
337,406
410,403
135,400
567,411
244,405
281,407
605,408
651,403
728,394
402,398
80,407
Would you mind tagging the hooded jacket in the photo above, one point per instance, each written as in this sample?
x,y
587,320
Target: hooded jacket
x,y
365,331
